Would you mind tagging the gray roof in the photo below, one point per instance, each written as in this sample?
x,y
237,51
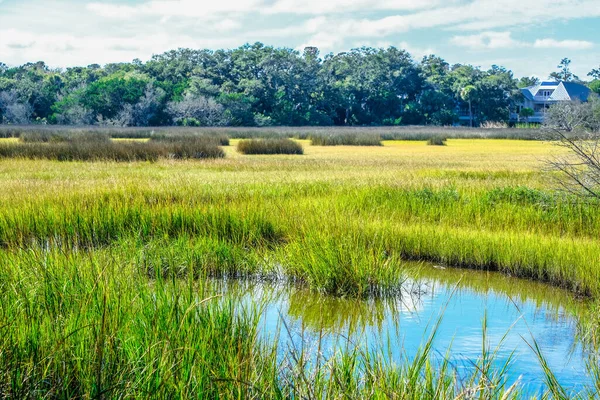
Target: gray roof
x,y
527,93
563,91
577,91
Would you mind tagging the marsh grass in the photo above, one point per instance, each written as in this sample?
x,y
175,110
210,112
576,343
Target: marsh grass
x,y
437,141
63,137
111,334
100,223
195,258
187,137
269,146
102,264
91,147
91,325
412,133
343,266
345,139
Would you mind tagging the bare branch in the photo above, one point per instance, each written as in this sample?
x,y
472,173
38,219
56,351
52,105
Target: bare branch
x,y
575,126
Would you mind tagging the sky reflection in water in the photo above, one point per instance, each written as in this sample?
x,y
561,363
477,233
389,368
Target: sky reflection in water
x,y
401,325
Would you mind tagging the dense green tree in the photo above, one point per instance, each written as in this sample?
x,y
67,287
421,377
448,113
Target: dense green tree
x,y
527,81
262,85
107,96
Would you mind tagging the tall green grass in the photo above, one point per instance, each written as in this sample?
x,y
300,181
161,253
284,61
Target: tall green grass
x,y
520,231
97,329
99,223
345,242
342,266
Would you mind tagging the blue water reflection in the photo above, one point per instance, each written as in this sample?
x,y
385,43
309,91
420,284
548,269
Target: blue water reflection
x,y
515,311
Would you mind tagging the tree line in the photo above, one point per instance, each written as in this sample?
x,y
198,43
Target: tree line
x,y
259,85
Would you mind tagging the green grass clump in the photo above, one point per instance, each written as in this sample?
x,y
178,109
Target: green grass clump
x,y
196,258
342,266
269,146
436,141
345,139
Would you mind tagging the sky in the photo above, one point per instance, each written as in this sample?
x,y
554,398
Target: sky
x,y
526,36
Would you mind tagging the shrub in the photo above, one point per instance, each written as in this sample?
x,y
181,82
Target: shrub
x,y
436,141
345,139
270,146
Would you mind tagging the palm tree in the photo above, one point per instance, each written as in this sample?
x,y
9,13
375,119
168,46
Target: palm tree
x,y
467,94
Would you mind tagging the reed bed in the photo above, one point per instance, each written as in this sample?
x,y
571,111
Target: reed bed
x,y
345,139
413,133
269,146
179,137
63,137
92,147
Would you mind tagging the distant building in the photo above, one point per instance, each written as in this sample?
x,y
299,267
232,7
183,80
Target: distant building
x,y
540,97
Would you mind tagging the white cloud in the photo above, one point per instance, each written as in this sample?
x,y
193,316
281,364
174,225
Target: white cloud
x,y
346,6
176,8
326,42
416,52
563,44
504,40
69,50
472,15
487,40
112,10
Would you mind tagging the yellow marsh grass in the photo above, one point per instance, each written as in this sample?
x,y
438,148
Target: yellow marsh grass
x,y
466,164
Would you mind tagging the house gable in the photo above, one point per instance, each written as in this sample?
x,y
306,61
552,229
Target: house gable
x,y
560,94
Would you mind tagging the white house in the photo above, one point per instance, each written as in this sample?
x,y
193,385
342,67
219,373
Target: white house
x,y
541,96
